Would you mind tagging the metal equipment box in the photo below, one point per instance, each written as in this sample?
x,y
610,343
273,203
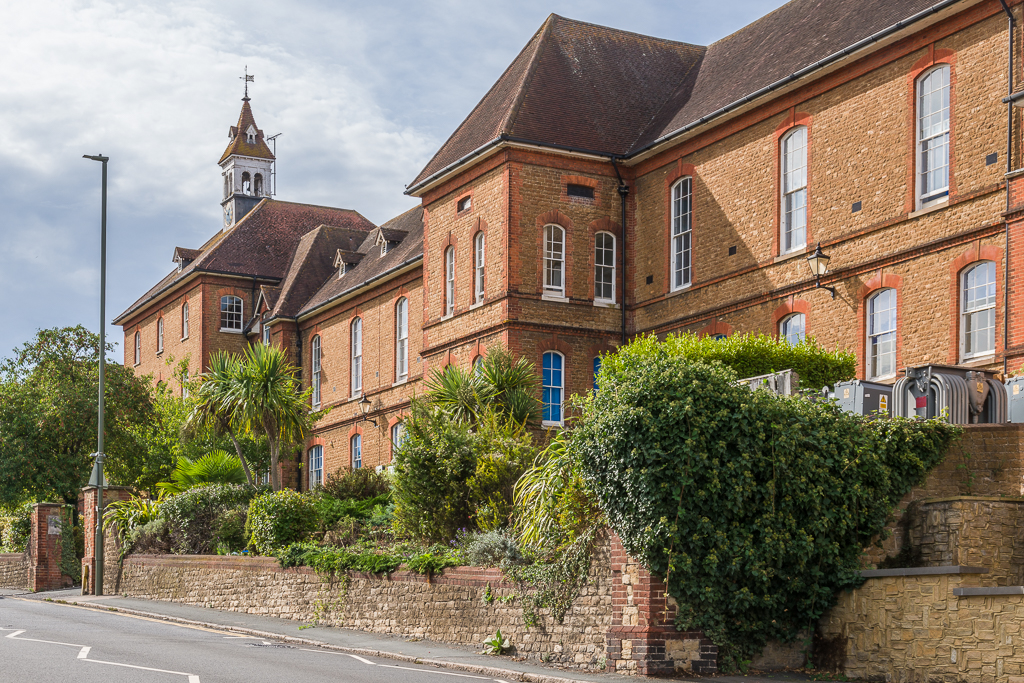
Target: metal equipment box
x,y
961,395
1015,397
863,398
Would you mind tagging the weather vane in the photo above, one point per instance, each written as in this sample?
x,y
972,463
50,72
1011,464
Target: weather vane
x,y
248,79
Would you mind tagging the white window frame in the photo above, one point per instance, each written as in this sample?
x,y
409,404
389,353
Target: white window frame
x,y
398,435
681,256
449,281
479,247
966,314
874,338
316,466
184,320
159,336
786,322
356,353
355,451
138,348
265,330
599,267
316,368
226,301
560,387
554,260
402,340
184,383
936,138
793,181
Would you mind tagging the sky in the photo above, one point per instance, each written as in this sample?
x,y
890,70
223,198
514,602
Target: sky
x,y
362,93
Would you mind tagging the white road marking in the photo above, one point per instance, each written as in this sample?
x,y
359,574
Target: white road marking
x,y
84,653
364,661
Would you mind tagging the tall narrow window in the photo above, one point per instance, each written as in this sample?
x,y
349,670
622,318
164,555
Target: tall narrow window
x,y
184,383
933,136
357,356
257,185
978,311
554,260
184,320
478,267
881,322
138,348
794,189
597,370
316,466
402,340
230,313
682,219
792,328
160,335
553,386
246,183
397,436
604,267
357,452
266,333
449,281
315,362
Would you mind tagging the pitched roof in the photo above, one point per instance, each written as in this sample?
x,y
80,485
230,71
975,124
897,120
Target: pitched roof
x,y
372,266
596,89
578,85
239,144
261,245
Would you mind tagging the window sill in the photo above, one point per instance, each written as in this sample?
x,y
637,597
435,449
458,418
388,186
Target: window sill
x,y
605,304
184,339
478,304
882,378
546,423
799,251
554,297
159,353
225,330
679,290
401,382
979,360
448,316
354,397
928,209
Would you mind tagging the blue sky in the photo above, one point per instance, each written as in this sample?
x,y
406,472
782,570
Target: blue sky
x,y
362,93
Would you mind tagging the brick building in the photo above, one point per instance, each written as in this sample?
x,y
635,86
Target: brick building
x,y
875,129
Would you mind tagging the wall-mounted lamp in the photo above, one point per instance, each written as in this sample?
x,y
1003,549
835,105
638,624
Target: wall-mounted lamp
x,y
364,407
818,262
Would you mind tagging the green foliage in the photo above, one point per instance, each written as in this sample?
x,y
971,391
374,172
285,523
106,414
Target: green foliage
x,y
356,484
48,419
755,508
191,515
503,384
504,450
229,531
497,644
216,467
750,355
70,560
555,584
330,562
278,519
15,528
492,548
331,510
125,516
435,560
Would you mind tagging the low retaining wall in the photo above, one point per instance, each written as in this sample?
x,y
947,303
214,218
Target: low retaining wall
x,y
14,570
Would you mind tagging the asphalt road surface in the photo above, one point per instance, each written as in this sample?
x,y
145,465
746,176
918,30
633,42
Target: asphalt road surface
x,y
43,642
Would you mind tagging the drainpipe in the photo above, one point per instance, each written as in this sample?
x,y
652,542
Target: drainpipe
x,y
623,193
1009,169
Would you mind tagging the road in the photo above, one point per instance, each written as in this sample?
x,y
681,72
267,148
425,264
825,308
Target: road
x,y
53,643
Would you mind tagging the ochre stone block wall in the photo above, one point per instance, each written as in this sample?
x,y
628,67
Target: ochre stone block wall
x,y
13,570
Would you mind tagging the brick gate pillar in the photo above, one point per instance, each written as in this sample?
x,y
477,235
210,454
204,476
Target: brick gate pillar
x,y
44,549
89,517
643,638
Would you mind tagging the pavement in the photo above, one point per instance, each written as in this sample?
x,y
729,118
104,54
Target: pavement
x,y
364,646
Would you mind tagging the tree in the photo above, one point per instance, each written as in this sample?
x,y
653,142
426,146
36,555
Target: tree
x,y
212,408
48,396
502,383
264,395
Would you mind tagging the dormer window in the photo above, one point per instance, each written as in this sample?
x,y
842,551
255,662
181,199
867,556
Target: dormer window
x,y
250,135
383,247
339,263
341,269
464,204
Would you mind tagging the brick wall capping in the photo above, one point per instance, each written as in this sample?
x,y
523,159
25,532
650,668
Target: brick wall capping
x,y
109,488
978,591
996,499
993,425
35,505
1014,174
11,556
922,571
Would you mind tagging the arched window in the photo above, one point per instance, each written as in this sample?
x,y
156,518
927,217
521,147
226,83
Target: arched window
x,y
246,183
933,136
978,310
316,466
794,189
449,281
478,365
257,184
314,357
554,260
792,328
881,334
682,223
138,348
160,335
184,320
184,383
478,266
357,356
230,314
397,436
227,185
604,267
357,452
553,387
597,370
402,340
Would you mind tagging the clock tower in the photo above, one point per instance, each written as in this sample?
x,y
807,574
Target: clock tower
x,y
247,167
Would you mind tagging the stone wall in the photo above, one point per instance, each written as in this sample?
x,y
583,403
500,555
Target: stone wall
x,y
13,570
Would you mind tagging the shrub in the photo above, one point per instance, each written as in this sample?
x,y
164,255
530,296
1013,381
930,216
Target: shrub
x,y
491,549
356,484
216,467
329,562
279,519
124,516
191,515
229,531
331,510
15,528
755,508
153,537
504,451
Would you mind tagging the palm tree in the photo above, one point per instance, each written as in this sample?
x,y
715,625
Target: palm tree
x,y
502,383
216,467
212,406
265,396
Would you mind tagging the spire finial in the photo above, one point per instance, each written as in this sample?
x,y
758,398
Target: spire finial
x,y
248,79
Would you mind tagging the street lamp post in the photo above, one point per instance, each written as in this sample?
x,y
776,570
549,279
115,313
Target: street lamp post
x,y
97,469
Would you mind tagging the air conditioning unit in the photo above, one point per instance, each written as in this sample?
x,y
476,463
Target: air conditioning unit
x,y
863,398
1015,398
963,395
783,383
